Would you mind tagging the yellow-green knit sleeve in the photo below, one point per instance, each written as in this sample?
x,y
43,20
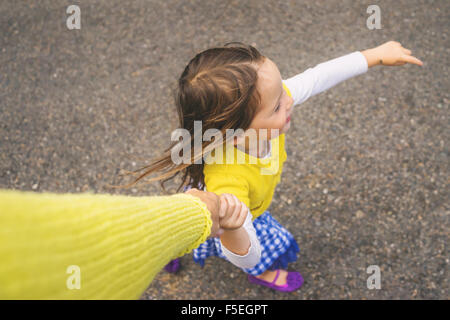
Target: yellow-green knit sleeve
x,y
207,223
111,246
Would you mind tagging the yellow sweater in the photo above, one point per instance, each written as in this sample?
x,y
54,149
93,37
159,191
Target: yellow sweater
x,y
252,180
112,246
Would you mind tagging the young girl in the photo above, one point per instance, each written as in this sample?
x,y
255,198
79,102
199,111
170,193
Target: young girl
x,y
235,87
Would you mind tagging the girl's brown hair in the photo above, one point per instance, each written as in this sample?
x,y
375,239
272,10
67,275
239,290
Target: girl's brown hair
x,y
217,87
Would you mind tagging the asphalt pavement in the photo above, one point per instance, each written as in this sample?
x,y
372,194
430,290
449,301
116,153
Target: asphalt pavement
x,y
366,180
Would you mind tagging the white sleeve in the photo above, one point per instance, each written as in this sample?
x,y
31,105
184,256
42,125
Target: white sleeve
x,y
325,75
253,255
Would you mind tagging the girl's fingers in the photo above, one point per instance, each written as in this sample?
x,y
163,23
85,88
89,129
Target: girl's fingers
x,y
407,51
223,206
237,206
393,42
232,203
243,214
412,60
232,211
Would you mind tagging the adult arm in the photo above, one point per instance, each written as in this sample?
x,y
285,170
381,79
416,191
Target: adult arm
x,y
116,244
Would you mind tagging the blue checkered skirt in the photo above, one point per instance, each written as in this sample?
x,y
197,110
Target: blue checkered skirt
x,y
278,246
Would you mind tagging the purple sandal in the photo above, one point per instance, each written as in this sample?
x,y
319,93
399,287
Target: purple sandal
x,y
294,280
173,266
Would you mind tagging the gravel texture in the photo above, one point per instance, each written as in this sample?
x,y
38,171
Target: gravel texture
x,y
366,181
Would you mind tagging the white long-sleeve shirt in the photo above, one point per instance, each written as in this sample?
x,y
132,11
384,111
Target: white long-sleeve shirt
x,y
253,255
325,75
303,86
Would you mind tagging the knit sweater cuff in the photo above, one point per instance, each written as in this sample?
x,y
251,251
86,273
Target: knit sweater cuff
x,y
207,219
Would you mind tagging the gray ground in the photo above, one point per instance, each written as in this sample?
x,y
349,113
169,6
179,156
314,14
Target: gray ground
x,y
366,181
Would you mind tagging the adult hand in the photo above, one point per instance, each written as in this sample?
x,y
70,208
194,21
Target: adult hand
x,y
213,203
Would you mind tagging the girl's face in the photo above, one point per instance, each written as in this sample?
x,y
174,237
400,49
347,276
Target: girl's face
x,y
276,106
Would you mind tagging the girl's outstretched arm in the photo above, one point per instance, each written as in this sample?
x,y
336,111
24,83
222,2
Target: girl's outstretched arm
x,y
330,73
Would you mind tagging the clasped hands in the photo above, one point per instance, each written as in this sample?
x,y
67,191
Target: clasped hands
x,y
227,212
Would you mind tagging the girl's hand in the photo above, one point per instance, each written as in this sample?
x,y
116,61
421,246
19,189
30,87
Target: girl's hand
x,y
390,53
232,212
